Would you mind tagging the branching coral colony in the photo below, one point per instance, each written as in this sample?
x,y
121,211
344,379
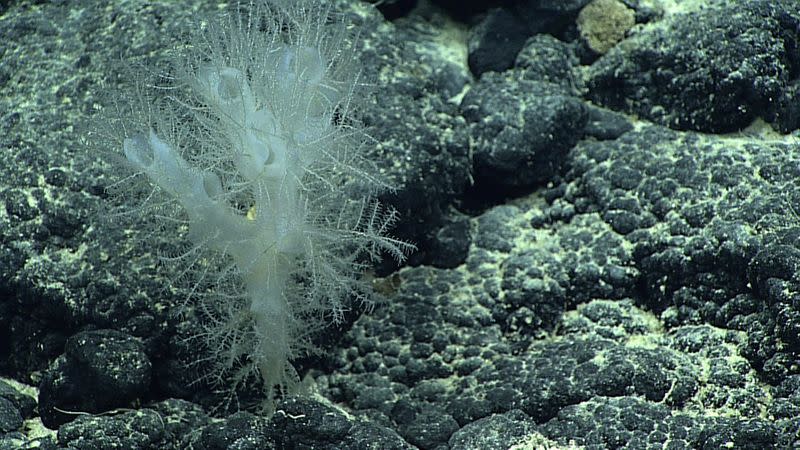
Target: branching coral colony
x,y
248,150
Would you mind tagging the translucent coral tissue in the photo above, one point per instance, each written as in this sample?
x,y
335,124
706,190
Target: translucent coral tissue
x,y
248,149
